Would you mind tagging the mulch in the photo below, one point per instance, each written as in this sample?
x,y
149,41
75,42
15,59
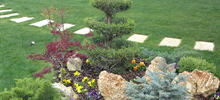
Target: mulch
x,y
93,73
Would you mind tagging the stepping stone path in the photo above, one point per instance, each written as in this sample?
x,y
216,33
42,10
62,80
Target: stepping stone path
x,y
167,41
2,6
9,15
41,23
22,19
172,42
202,45
83,31
6,10
66,26
137,38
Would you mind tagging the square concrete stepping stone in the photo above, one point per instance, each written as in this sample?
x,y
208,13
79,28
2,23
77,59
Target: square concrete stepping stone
x,y
6,10
83,31
41,23
9,15
201,45
66,26
172,42
22,19
137,38
2,6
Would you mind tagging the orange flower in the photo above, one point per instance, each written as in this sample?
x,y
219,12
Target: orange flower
x,y
135,68
142,64
133,61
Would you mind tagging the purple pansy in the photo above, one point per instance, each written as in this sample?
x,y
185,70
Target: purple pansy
x,y
217,94
175,66
71,99
93,95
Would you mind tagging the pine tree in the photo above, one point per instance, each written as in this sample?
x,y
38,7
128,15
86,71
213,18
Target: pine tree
x,y
163,85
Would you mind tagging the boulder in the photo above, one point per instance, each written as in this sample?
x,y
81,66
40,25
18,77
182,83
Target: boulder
x,y
68,91
153,66
74,64
111,86
200,83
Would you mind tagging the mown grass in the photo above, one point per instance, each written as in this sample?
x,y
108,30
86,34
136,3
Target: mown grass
x,y
190,20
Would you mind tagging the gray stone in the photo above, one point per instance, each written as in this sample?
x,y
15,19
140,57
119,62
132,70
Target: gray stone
x,y
22,19
68,91
201,45
137,38
74,64
9,15
83,31
6,10
2,5
66,26
41,23
172,42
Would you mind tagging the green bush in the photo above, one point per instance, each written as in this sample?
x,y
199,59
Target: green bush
x,y
111,6
119,27
191,63
112,59
170,57
118,43
29,89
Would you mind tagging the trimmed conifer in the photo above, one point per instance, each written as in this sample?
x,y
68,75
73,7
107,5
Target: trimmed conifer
x,y
163,85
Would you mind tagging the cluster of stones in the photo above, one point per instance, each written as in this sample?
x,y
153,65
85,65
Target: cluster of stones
x,y
199,83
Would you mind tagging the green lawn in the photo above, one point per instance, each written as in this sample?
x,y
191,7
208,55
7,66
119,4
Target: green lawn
x,y
190,20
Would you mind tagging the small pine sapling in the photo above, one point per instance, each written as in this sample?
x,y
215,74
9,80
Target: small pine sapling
x,y
163,85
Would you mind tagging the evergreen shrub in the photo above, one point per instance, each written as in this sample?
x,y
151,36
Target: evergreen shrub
x,y
191,63
29,89
166,87
111,59
111,6
118,27
170,57
117,53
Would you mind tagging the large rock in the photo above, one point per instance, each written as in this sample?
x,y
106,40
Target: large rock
x,y
112,86
68,91
153,66
200,83
74,64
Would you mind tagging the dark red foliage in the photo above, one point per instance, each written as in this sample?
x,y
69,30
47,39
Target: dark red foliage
x,y
62,47
90,34
44,71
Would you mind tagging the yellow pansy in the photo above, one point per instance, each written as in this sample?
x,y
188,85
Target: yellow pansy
x,y
78,89
59,75
63,70
90,83
76,73
68,81
87,61
64,81
86,79
76,85
93,80
85,90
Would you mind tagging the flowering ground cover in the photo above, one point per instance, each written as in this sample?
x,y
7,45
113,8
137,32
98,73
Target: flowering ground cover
x,y
188,20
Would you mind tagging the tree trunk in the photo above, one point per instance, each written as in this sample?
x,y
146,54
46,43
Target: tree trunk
x,y
108,18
